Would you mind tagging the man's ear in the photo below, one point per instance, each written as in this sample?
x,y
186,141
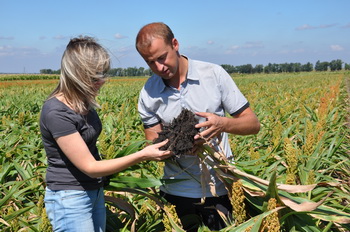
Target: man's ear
x,y
175,44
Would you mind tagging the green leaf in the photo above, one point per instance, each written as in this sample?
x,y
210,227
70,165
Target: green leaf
x,y
135,182
17,212
134,147
8,195
22,171
272,192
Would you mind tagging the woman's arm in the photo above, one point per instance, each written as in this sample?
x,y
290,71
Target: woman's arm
x,y
74,147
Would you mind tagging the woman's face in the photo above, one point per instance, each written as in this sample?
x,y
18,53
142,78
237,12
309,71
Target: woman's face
x,y
98,82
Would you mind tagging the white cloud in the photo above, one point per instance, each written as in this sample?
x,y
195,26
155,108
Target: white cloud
x,y
210,42
305,27
7,38
256,44
247,45
60,37
292,51
124,49
232,49
300,50
6,51
309,27
336,48
18,51
327,25
120,36
347,26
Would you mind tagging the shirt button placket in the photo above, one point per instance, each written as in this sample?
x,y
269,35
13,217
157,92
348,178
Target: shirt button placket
x,y
182,99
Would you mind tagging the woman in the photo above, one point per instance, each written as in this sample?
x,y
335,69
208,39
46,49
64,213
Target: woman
x,y
70,126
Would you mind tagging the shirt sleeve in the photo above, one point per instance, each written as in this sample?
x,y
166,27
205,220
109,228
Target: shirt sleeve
x,y
148,117
231,97
59,123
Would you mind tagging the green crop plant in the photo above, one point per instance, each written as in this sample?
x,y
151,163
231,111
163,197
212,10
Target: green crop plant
x,y
303,140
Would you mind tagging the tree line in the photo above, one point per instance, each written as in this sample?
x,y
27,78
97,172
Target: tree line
x,y
334,65
115,72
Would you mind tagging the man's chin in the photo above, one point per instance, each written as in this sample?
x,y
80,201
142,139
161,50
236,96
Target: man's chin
x,y
166,76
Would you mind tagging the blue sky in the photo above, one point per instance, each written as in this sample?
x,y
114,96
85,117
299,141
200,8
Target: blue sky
x,y
34,33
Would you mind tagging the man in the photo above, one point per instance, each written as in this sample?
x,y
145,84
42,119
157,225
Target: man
x,y
207,89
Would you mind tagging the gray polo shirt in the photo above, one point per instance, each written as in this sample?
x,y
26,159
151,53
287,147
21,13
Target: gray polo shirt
x,y
208,88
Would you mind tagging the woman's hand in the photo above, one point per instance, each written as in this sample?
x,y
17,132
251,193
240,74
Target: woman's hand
x,y
78,153
152,152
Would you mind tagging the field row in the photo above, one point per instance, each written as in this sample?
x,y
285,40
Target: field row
x,y
303,140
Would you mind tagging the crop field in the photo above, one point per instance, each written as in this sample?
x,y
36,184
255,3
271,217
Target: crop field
x,y
292,176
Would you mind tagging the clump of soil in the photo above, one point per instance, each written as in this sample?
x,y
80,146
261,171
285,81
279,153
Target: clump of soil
x,y
180,133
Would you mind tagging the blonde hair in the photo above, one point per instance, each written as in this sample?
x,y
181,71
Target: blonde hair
x,y
151,31
83,60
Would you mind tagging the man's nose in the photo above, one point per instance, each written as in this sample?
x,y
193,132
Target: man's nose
x,y
159,66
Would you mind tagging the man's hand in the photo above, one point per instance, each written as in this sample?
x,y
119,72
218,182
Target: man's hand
x,y
213,124
243,123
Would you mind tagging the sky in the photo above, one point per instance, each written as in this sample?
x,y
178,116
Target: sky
x,y
34,33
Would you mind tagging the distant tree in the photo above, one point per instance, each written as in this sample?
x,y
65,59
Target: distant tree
x,y
318,65
296,67
347,66
140,71
321,66
50,71
308,67
247,68
120,72
226,67
131,71
291,67
259,68
268,68
113,72
336,65
147,72
229,68
276,68
46,71
284,67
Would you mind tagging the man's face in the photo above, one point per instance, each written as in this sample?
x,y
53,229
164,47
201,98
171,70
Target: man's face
x,y
162,58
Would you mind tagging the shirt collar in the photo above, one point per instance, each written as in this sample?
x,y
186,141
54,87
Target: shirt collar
x,y
162,85
191,75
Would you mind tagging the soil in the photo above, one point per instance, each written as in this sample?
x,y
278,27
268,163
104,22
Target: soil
x,y
180,133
